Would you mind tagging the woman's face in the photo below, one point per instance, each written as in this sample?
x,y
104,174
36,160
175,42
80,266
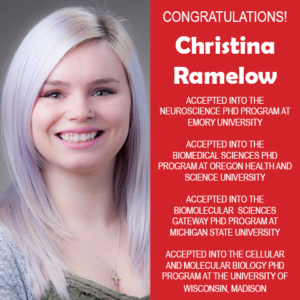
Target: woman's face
x,y
81,117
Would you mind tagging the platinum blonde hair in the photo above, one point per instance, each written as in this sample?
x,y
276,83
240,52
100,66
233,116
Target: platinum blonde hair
x,y
27,210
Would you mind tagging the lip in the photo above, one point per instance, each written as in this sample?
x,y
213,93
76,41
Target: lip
x,y
79,130
81,145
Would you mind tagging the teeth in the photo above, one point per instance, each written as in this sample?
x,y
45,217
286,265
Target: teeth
x,y
75,138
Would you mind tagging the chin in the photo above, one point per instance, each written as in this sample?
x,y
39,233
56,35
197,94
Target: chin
x,y
87,163
80,165
79,168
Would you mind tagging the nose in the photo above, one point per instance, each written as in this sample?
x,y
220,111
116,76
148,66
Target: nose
x,y
79,109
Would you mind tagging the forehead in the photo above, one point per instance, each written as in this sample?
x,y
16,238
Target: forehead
x,y
89,61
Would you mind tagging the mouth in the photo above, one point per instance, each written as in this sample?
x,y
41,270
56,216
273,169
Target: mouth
x,y
82,137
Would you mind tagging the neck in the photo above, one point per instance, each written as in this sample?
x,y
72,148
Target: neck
x,y
84,200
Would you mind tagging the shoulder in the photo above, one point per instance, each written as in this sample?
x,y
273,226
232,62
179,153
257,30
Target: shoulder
x,y
10,251
13,272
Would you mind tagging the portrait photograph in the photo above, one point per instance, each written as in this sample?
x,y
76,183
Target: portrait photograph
x,y
75,150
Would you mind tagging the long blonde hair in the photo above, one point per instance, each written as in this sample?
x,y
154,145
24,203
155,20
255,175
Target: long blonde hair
x,y
27,209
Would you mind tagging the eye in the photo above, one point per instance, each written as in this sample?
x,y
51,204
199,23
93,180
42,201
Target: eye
x,y
103,93
53,95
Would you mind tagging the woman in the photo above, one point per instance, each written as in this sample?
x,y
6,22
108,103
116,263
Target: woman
x,y
75,221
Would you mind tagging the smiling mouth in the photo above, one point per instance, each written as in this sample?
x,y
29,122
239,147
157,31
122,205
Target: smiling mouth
x,y
79,137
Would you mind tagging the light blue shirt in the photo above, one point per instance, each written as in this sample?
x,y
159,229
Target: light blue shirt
x,y
14,283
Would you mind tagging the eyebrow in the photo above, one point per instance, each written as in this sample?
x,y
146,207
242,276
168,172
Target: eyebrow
x,y
56,82
98,81
105,80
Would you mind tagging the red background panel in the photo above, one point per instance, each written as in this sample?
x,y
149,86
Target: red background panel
x,y
171,133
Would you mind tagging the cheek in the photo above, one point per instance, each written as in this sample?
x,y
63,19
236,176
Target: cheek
x,y
41,120
117,117
117,114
